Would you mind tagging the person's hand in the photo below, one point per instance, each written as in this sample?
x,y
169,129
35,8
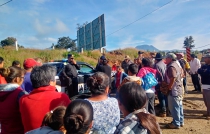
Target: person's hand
x,y
74,62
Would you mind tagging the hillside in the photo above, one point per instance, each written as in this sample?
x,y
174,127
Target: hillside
x,y
9,54
150,48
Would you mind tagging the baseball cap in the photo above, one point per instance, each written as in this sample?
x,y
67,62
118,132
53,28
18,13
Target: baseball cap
x,y
70,55
181,54
127,57
140,52
29,63
171,56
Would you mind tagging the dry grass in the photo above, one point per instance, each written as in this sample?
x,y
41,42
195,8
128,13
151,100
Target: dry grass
x,y
9,54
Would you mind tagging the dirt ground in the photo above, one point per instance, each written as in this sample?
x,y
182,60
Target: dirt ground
x,y
194,108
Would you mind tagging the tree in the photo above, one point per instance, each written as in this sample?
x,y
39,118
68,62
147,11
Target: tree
x,y
9,41
65,43
188,42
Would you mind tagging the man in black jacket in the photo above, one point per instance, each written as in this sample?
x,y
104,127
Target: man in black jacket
x,y
71,72
204,72
105,68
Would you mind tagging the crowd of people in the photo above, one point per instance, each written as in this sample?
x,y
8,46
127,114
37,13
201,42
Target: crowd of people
x,y
30,103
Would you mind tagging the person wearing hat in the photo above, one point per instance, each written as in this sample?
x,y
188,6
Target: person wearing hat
x,y
160,66
140,55
186,68
126,63
204,72
194,66
70,70
28,65
173,78
100,62
105,68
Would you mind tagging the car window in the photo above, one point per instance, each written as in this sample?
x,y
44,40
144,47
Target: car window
x,y
58,66
85,69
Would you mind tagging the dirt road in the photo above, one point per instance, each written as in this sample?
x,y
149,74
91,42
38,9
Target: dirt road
x,y
194,108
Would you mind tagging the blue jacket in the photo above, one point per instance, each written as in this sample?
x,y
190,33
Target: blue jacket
x,y
204,72
27,85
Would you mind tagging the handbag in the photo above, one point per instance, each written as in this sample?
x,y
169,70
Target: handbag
x,y
149,81
164,88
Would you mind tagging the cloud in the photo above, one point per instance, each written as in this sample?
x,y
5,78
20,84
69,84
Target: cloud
x,y
44,28
36,42
170,42
201,40
161,41
130,42
60,26
185,0
50,39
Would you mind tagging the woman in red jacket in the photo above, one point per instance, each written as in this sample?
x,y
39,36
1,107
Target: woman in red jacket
x,y
10,93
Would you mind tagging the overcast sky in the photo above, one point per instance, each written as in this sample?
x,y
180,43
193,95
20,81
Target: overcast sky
x,y
39,23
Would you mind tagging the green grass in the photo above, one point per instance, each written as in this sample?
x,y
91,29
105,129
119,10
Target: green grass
x,y
9,54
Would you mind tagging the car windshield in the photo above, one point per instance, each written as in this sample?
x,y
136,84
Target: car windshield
x,y
85,69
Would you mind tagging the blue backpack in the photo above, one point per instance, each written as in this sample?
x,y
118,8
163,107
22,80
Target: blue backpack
x,y
149,81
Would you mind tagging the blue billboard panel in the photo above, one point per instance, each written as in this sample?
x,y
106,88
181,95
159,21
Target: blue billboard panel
x,y
92,35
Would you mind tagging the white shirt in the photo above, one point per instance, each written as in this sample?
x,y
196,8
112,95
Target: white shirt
x,y
194,65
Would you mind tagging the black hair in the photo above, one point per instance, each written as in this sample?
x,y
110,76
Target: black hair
x,y
193,55
133,97
10,73
133,68
54,118
78,117
42,75
147,62
98,83
15,63
1,60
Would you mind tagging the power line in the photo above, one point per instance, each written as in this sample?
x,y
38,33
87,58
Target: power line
x,y
201,46
133,22
5,3
141,17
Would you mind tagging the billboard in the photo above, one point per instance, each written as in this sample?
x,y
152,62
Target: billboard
x,y
92,35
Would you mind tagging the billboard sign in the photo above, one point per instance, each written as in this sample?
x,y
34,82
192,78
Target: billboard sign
x,y
92,35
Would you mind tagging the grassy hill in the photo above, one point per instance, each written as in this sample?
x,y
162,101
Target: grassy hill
x,y
9,54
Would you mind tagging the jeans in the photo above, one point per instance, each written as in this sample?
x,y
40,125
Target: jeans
x,y
185,84
162,100
176,108
150,103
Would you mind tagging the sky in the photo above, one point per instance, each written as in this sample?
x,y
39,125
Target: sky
x,y
39,23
